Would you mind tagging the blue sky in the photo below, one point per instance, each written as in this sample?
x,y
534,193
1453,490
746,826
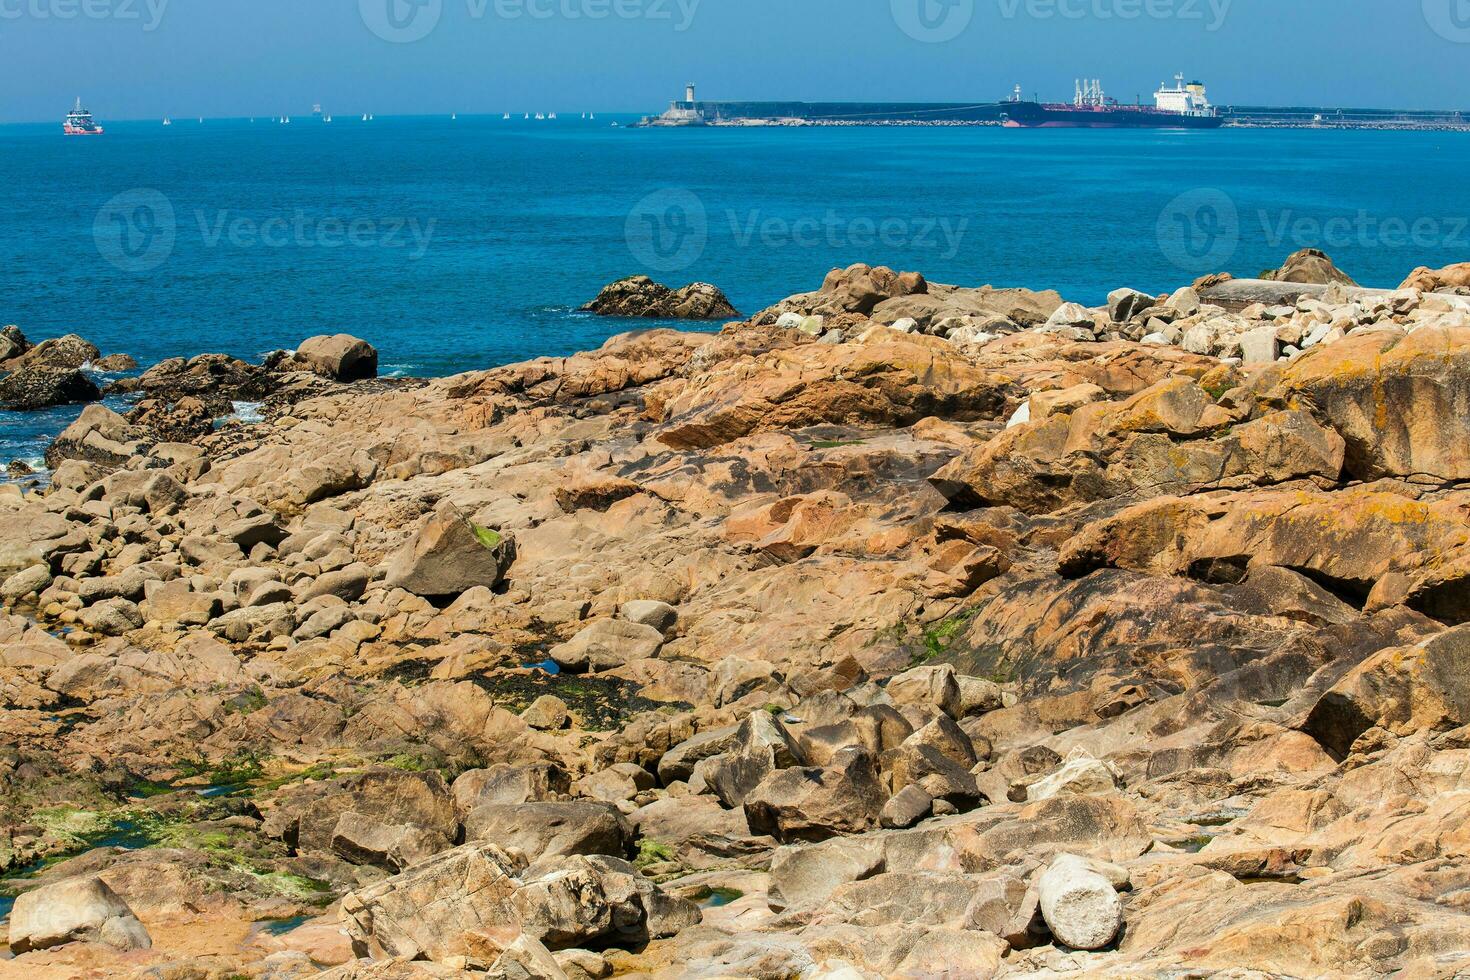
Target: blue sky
x,y
145,58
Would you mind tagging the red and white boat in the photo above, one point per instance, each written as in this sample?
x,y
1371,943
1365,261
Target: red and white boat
x,y
79,122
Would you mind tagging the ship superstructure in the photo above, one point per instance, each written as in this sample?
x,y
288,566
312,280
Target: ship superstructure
x,y
79,122
1181,107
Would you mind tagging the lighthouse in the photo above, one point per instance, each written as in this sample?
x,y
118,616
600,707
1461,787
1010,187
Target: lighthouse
x,y
689,93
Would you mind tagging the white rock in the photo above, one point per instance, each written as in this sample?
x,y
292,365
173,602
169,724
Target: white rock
x,y
905,325
1080,906
1157,339
1079,775
71,910
1260,346
1184,300
1071,315
789,321
1021,417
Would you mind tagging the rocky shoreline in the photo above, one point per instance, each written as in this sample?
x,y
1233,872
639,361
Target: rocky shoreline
x,y
900,630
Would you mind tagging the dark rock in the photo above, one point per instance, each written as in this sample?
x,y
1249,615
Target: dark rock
x,y
33,388
640,296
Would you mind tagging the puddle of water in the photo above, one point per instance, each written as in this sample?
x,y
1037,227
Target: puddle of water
x,y
550,666
125,834
7,902
279,927
713,898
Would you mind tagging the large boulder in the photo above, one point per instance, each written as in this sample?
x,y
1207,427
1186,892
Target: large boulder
x,y
815,804
538,830
1401,402
13,343
383,817
1402,690
606,645
99,435
74,910
1432,280
1311,266
450,554
60,353
35,388
340,357
1080,906
640,296
477,901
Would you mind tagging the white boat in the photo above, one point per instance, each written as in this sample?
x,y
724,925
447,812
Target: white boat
x,y
528,115
506,116
326,118
167,121
453,116
540,115
552,116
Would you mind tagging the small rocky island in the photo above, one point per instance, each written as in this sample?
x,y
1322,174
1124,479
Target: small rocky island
x,y
640,296
902,629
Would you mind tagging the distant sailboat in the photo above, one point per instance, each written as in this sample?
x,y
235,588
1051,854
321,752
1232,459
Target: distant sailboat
x,y
552,116
364,117
528,115
326,119
506,116
453,116
167,121
540,115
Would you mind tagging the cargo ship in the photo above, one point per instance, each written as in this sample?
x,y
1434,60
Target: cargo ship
x,y
79,122
1181,107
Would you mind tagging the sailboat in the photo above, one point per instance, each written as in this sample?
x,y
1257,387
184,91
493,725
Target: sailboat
x,y
453,116
540,115
364,117
326,118
552,116
506,116
167,121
